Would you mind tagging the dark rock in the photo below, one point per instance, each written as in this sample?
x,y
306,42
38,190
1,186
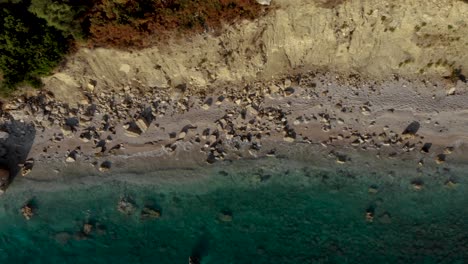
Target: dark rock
x,y
105,166
289,91
411,129
426,147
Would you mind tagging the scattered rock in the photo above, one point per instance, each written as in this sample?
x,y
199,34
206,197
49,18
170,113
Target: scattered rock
x,y
126,206
451,183
181,135
448,150
440,158
105,166
133,129
194,260
67,131
63,238
142,124
373,189
451,91
426,147
341,158
225,216
417,184
369,215
150,213
87,229
27,211
365,110
288,91
207,104
411,130
385,218
72,157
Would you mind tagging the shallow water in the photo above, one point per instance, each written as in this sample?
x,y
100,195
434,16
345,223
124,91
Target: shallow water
x,y
253,212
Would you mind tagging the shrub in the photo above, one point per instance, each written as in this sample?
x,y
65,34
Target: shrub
x,y
63,15
28,47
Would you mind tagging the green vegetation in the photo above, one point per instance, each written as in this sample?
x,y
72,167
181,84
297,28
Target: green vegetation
x,y
28,47
63,15
36,34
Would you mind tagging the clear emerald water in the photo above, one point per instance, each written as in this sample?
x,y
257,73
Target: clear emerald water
x,y
280,214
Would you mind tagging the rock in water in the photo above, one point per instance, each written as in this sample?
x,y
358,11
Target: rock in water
x,y
87,229
194,260
4,179
150,213
225,216
126,206
27,211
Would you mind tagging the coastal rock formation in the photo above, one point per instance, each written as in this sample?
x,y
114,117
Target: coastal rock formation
x,y
15,148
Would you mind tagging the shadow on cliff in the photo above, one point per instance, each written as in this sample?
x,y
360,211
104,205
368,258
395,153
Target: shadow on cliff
x,y
15,143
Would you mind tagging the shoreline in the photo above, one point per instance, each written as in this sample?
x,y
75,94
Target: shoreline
x,y
180,128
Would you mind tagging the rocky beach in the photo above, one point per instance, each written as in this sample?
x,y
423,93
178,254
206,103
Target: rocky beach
x,y
322,123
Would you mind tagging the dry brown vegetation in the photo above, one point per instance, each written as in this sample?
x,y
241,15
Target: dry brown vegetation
x,y
136,23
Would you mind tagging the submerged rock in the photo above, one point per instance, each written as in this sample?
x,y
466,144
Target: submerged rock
x,y
225,216
87,229
63,237
126,206
150,213
4,179
27,211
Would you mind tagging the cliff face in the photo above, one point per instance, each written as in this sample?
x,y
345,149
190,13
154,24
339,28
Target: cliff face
x,y
374,38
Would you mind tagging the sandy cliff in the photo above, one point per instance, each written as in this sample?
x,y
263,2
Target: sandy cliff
x,y
374,38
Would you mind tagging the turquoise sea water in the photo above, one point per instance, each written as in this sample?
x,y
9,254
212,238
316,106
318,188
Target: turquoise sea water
x,y
252,212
